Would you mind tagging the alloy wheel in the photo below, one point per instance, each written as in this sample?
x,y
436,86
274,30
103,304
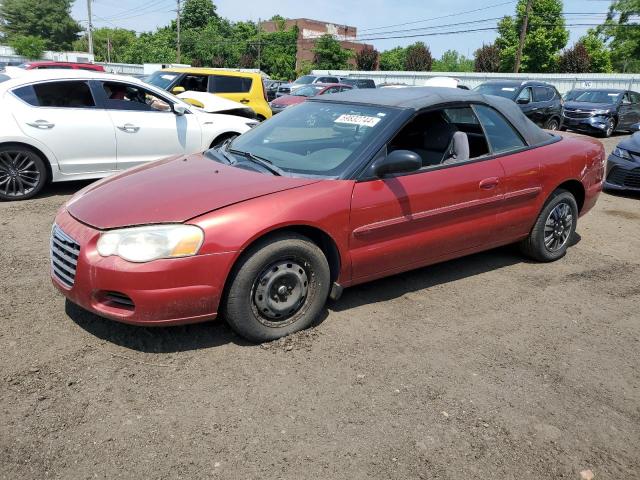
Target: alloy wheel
x,y
558,227
19,174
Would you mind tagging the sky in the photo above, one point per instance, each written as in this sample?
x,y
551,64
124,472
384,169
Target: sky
x,y
398,17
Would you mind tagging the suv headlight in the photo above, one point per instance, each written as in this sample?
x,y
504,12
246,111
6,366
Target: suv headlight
x,y
144,244
601,112
622,153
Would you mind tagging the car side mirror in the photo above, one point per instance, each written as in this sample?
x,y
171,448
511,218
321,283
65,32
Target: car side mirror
x,y
522,101
398,161
177,90
179,109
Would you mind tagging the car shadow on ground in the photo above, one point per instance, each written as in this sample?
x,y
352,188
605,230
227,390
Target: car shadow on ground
x,y
217,333
60,189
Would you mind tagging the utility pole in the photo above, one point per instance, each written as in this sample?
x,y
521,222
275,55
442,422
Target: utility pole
x,y
523,34
259,46
108,50
178,29
90,29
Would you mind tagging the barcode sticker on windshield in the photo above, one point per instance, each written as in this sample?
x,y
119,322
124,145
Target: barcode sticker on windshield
x,y
362,120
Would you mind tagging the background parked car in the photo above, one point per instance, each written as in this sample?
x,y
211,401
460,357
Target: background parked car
x,y
41,65
539,101
243,87
271,87
601,111
287,88
59,125
358,82
302,93
623,165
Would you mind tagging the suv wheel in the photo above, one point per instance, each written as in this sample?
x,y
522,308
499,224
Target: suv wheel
x,y
553,124
610,128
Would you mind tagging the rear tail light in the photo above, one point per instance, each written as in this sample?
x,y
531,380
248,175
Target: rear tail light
x,y
264,92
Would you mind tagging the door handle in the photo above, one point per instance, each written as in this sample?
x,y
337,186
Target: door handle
x,y
245,100
128,127
489,183
41,124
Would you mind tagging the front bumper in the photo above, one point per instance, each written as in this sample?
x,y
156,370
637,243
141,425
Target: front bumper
x,y
595,124
622,175
162,292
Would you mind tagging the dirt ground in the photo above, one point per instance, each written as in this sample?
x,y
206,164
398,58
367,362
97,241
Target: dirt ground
x,y
485,367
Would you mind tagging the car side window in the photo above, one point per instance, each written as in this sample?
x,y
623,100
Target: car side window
x,y
635,97
552,93
229,84
194,83
540,94
625,99
331,90
501,135
525,95
66,94
125,96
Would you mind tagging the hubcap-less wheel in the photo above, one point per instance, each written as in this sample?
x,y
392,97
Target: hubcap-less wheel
x,y
19,174
558,226
553,125
279,292
610,128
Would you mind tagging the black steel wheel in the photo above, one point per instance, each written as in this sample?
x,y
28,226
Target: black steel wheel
x,y
278,287
551,234
553,124
22,173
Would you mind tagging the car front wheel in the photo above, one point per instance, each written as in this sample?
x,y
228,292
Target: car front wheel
x,y
279,287
553,124
552,233
22,173
610,128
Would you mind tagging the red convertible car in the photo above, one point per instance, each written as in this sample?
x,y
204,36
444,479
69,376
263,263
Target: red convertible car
x,y
338,191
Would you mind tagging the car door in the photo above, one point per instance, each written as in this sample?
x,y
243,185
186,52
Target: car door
x,y
635,106
234,88
406,221
522,183
626,113
64,116
146,128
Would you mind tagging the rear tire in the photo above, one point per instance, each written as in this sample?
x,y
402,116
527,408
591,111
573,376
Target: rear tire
x,y
22,173
278,287
554,229
553,124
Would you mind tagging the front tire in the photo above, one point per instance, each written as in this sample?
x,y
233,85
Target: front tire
x,y
552,233
279,287
22,173
553,124
610,128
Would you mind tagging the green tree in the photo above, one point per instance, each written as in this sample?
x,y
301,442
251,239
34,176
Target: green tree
x,y
367,58
599,53
487,59
393,60
156,47
197,13
28,46
48,19
546,36
109,44
574,60
418,58
623,34
452,61
328,54
278,55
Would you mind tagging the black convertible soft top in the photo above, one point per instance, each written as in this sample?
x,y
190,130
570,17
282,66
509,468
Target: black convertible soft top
x,y
419,98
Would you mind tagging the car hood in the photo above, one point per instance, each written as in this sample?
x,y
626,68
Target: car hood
x,y
585,106
288,100
171,191
209,102
632,143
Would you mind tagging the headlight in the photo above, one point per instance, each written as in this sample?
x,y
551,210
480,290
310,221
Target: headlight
x,y
144,244
622,153
601,112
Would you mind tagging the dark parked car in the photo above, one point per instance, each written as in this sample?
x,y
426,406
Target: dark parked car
x,y
358,82
623,165
539,101
601,111
287,88
301,94
271,88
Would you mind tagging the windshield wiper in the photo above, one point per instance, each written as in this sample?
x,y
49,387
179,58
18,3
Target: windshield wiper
x,y
263,162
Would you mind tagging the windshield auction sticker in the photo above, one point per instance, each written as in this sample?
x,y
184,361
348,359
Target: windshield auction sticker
x,y
361,120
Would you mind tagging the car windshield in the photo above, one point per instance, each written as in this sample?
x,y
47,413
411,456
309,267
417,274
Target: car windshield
x,y
162,79
572,95
499,89
308,91
315,139
305,80
598,96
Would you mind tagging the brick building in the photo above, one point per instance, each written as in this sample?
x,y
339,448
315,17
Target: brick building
x,y
311,30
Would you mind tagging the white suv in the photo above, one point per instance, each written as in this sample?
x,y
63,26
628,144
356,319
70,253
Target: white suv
x,y
59,125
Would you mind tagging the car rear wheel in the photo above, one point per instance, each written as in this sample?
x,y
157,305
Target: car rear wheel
x,y
552,233
279,287
553,124
22,173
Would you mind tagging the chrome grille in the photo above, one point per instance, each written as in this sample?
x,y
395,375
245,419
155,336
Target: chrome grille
x,y
574,114
64,256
